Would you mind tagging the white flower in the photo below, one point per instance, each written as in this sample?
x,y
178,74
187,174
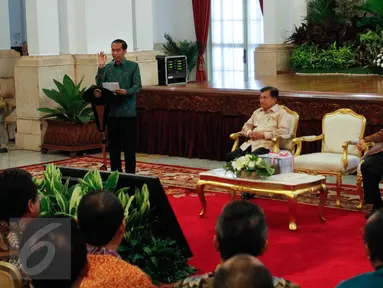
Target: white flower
x,y
251,164
381,65
374,61
235,166
378,61
241,161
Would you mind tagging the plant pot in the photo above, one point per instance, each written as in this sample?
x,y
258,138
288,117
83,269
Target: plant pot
x,y
69,136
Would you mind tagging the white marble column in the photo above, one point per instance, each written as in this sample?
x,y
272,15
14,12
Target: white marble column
x,y
143,25
38,70
42,27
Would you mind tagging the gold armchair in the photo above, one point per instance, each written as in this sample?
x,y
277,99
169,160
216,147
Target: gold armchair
x,y
10,276
283,142
339,156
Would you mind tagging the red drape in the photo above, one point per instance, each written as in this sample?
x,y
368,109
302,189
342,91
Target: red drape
x,y
261,3
201,11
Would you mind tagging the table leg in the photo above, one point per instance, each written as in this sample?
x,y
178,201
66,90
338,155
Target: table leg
x,y
201,194
292,210
323,198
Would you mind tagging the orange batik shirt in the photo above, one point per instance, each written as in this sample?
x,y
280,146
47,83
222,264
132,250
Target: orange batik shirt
x,y
110,271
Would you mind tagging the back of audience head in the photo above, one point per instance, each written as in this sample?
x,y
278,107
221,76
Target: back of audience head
x,y
18,195
69,259
241,229
101,218
243,271
373,238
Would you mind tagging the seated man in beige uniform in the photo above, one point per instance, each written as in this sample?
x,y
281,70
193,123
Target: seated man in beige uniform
x,y
266,122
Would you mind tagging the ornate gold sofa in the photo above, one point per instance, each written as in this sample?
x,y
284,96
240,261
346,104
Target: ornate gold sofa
x,y
339,155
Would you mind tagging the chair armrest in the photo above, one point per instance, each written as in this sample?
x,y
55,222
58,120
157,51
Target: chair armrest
x,y
235,137
298,142
345,152
276,140
366,145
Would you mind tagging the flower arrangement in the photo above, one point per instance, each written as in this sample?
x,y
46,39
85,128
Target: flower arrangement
x,y
248,165
378,63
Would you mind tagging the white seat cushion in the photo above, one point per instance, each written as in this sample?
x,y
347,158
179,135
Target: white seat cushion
x,y
325,162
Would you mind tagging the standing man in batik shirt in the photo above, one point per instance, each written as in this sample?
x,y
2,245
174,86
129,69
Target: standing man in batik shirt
x,y
122,113
267,122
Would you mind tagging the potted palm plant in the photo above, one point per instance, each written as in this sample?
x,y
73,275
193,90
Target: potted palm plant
x,y
188,48
71,125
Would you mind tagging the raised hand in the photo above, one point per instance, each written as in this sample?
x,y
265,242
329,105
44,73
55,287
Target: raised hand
x,y
101,59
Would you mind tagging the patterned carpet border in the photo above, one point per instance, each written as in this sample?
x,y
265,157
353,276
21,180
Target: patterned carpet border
x,y
180,180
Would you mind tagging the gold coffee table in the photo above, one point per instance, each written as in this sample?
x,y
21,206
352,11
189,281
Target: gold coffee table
x,y
289,184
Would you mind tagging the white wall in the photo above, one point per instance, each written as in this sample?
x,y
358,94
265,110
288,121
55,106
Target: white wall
x,y
104,26
174,17
299,11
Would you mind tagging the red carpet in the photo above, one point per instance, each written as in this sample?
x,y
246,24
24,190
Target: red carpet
x,y
317,255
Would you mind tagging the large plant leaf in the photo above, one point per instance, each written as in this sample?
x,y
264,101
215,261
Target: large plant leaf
x,y
83,119
75,200
60,86
111,182
372,6
88,111
57,97
69,86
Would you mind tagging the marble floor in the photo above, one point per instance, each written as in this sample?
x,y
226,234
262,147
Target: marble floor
x,y
19,158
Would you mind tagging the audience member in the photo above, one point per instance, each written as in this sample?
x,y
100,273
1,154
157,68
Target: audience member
x,y
101,219
19,202
243,271
240,229
373,239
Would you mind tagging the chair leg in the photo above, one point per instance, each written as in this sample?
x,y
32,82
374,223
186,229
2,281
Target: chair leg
x,y
359,180
338,188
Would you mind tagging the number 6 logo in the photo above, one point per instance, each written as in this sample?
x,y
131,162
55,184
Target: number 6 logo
x,y
31,245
